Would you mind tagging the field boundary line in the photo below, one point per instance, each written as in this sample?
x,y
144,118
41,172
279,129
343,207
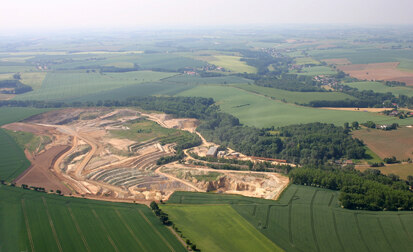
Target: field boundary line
x,y
254,210
360,233
130,230
267,221
312,220
26,220
52,225
290,209
404,227
104,229
156,231
331,200
384,234
336,229
78,229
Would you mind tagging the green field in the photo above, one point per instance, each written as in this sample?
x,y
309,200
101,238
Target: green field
x,y
308,219
144,89
13,161
294,97
232,63
14,114
381,88
143,130
34,79
218,228
306,61
72,84
257,110
316,70
366,56
164,61
29,141
34,221
188,79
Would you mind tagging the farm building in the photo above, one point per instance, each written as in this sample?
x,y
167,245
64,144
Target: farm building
x,y
212,152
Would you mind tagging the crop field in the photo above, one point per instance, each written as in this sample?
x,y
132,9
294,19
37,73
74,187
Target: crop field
x,y
29,141
305,61
316,70
381,88
14,69
310,219
66,85
378,71
398,143
144,89
188,79
218,228
257,110
14,114
294,97
402,170
366,56
13,161
33,79
164,61
33,221
232,63
167,61
6,76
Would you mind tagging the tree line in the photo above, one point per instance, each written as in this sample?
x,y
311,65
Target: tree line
x,y
369,190
14,87
313,143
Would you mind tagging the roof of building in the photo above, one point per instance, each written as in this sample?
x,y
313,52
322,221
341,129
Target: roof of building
x,y
212,151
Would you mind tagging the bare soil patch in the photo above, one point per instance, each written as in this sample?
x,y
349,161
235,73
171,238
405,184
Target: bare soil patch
x,y
40,172
402,170
398,143
378,71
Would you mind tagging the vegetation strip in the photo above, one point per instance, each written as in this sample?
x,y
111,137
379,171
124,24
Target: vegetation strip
x,y
130,230
106,231
78,229
156,231
26,221
336,229
290,206
312,221
52,225
384,234
360,233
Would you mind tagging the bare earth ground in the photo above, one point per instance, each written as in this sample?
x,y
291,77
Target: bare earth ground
x,y
403,170
85,160
378,71
398,143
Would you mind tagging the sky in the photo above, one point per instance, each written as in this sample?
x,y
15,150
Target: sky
x,y
73,14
